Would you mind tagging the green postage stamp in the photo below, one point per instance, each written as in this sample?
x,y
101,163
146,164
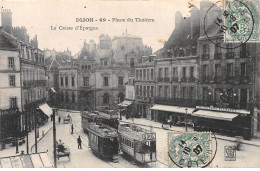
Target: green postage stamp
x,y
241,21
189,149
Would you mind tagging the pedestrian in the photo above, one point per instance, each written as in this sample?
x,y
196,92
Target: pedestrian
x,y
59,119
72,128
51,117
79,143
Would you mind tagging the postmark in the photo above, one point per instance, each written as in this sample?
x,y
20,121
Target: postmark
x,y
191,149
236,22
230,153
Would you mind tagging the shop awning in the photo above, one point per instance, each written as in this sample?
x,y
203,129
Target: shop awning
x,y
215,115
38,160
45,108
52,89
176,109
125,103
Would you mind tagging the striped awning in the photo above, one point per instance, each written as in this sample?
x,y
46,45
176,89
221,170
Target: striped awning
x,y
176,109
215,115
53,90
125,103
45,108
37,160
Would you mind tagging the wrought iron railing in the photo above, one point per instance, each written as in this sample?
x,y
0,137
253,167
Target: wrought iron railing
x,y
218,56
205,56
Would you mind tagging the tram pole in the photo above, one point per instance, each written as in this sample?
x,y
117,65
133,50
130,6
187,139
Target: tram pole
x,y
35,127
54,139
186,120
26,127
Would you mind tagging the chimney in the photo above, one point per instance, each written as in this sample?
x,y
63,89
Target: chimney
x,y
6,18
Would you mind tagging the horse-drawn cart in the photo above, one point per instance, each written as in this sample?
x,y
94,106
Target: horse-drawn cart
x,y
66,120
62,151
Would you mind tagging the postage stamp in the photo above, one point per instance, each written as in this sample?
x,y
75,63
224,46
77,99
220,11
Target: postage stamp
x,y
230,153
241,21
190,149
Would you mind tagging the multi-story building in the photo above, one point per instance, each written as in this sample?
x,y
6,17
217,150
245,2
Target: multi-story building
x,y
69,96
214,87
10,87
32,80
53,61
145,86
110,85
101,75
176,86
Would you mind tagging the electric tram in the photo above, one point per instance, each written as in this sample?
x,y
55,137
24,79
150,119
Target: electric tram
x,y
98,117
137,142
102,133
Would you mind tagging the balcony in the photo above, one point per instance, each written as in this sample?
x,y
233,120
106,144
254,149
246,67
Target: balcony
x,y
166,79
245,79
184,79
34,83
205,56
175,79
191,79
230,79
230,55
86,87
217,79
193,103
138,97
120,87
218,56
160,79
244,54
204,79
175,101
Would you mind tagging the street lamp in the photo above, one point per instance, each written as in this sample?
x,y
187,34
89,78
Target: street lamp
x,y
16,139
186,110
35,127
26,127
54,138
54,131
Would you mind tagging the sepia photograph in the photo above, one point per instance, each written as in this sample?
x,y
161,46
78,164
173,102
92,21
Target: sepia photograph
x,y
130,84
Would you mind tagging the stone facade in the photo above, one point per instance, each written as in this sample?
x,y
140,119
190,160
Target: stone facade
x,y
30,72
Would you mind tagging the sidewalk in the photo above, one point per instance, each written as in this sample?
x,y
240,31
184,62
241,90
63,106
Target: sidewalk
x,y
146,122
11,150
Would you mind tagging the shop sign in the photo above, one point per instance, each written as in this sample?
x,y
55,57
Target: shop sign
x,y
223,109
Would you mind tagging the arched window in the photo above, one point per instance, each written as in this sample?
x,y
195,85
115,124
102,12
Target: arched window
x,y
121,97
106,98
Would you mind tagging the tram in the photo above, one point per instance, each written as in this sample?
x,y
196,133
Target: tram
x,y
102,133
98,117
137,142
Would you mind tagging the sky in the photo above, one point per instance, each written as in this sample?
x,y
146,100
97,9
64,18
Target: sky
x,y
38,16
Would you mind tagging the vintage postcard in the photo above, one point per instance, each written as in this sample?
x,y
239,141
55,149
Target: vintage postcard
x,y
130,84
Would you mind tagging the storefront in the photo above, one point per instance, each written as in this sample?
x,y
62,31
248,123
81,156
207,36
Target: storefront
x,y
225,121
45,113
175,114
10,124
